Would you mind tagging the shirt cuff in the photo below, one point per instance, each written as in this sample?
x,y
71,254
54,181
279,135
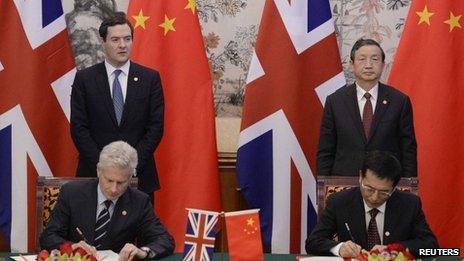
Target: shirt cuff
x,y
336,249
150,253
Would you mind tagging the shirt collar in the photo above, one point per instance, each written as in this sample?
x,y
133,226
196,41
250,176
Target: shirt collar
x,y
110,68
373,92
101,198
381,208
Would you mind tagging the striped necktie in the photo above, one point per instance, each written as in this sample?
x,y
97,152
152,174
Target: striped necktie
x,y
102,224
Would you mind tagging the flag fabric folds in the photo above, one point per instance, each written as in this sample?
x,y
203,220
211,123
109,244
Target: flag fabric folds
x,y
167,38
244,235
296,64
36,73
200,235
429,67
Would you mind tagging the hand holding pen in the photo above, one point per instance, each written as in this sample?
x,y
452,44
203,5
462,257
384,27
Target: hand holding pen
x,y
349,248
84,243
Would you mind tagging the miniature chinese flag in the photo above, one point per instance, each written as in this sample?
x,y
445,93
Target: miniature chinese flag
x,y
244,235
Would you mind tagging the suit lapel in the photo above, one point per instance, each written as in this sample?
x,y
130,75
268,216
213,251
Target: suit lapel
x,y
351,101
88,211
104,88
383,101
391,218
133,81
121,213
358,220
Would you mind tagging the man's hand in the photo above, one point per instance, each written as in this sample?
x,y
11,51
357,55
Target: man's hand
x,y
88,248
349,249
378,247
129,251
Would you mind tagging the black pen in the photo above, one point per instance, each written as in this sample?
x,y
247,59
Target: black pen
x,y
82,234
349,232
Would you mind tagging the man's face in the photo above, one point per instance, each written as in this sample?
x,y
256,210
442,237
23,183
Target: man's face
x,y
375,191
367,66
113,182
118,44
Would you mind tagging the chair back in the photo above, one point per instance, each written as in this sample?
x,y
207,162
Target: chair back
x,y
327,185
48,189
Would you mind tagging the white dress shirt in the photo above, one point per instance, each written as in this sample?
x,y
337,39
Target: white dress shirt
x,y
379,218
123,76
374,92
101,203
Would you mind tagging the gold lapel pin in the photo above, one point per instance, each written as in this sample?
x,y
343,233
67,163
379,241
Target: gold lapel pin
x,y
387,233
136,79
124,212
384,102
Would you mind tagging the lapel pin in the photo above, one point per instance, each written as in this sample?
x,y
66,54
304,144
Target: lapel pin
x,y
124,212
136,79
384,102
387,233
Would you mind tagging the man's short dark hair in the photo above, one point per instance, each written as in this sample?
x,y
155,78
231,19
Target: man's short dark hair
x,y
383,165
362,42
115,19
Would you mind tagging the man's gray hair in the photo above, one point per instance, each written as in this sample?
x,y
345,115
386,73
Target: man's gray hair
x,y
120,155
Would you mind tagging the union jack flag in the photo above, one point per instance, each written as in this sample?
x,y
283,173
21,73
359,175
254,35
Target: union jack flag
x,y
36,73
296,64
200,235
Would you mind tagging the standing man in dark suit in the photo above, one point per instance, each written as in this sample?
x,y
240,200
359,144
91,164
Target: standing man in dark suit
x,y
364,116
117,100
372,215
107,213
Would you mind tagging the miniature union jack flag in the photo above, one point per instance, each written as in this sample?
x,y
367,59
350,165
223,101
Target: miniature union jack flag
x,y
200,235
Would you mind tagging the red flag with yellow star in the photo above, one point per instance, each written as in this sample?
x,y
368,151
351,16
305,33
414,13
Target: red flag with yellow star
x,y
167,37
429,66
244,235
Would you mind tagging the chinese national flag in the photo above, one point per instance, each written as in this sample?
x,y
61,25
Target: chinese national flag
x,y
167,37
244,235
429,66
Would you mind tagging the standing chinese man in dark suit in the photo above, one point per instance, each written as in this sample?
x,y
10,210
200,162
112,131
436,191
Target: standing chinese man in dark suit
x,y
117,100
365,116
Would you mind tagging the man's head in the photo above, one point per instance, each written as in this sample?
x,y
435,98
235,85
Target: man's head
x,y
116,34
378,177
367,62
115,168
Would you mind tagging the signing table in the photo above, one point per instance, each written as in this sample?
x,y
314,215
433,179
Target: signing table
x,y
225,257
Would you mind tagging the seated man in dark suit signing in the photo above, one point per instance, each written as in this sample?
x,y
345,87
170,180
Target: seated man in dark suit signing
x,y
108,214
372,215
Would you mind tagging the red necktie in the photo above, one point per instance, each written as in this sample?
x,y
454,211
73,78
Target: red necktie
x,y
373,237
367,114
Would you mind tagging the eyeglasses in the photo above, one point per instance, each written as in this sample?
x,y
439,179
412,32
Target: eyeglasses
x,y
371,60
382,193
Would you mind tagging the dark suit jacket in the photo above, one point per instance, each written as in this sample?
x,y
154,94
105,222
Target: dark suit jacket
x,y
94,125
77,206
342,143
404,220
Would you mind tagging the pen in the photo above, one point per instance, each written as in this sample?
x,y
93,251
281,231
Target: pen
x,y
82,235
349,232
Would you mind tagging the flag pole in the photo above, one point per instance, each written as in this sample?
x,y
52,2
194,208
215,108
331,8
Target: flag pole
x,y
223,220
